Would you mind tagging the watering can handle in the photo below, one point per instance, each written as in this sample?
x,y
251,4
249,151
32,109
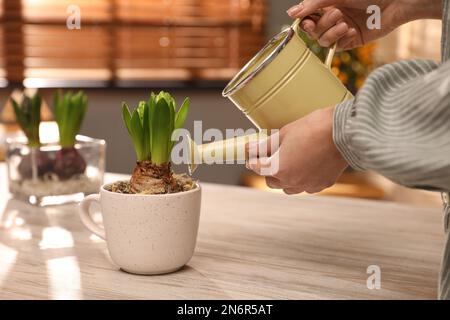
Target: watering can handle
x,y
232,149
331,50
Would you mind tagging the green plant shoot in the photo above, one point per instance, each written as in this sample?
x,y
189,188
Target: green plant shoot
x,y
28,116
152,124
70,110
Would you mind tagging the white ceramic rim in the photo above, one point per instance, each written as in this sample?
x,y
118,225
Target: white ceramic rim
x,y
184,193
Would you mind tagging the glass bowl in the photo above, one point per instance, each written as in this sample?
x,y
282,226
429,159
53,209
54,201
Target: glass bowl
x,y
51,175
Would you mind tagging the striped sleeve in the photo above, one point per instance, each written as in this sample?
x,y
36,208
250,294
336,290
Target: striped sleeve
x,y
399,125
444,276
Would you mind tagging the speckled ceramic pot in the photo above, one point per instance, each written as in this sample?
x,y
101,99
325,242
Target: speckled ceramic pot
x,y
147,234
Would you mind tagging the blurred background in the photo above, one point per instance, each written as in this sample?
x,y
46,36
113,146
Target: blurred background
x,y
126,48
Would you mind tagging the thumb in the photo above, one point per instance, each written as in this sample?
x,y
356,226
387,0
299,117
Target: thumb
x,y
308,7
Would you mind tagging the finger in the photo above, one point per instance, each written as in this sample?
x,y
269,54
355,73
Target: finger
x,y
263,148
292,191
309,7
330,19
333,35
267,167
308,25
257,164
347,42
273,183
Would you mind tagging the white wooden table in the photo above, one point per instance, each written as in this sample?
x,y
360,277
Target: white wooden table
x,y
252,245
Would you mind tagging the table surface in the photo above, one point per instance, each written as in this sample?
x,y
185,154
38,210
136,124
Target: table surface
x,y
251,245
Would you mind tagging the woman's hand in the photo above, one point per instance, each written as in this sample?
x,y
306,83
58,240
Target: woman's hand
x,y
345,21
306,160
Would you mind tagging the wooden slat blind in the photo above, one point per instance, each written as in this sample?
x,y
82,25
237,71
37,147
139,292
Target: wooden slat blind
x,y
12,40
189,12
185,52
2,47
2,55
53,52
41,11
132,40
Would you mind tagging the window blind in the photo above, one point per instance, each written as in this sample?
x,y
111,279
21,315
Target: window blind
x,y
3,81
127,42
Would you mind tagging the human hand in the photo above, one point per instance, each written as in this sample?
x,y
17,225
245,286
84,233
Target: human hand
x,y
345,21
308,159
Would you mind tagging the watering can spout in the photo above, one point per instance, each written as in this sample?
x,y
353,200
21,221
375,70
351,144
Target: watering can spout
x,y
226,151
193,154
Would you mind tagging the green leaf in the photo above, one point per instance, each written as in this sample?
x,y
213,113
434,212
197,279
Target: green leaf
x,y
152,100
81,102
152,124
28,115
35,118
169,99
137,133
36,102
126,116
151,112
141,110
76,114
64,123
146,128
20,116
182,114
70,111
161,132
170,143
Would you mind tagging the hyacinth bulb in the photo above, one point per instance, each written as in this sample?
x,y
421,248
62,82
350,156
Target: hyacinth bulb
x,y
69,163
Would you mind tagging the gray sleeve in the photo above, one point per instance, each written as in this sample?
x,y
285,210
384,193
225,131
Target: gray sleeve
x,y
399,125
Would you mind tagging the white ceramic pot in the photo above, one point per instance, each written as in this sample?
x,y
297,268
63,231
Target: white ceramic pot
x,y
147,234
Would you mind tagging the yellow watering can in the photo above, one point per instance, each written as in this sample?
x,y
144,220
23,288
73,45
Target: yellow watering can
x,y
284,82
